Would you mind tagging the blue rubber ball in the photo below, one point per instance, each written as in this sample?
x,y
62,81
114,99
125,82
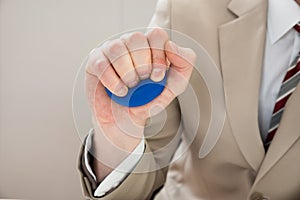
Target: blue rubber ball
x,y
141,94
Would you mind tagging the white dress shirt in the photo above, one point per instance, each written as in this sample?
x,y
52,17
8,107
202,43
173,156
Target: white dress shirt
x,y
119,173
282,47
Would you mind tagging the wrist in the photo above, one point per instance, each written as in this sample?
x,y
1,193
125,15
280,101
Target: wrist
x,y
117,138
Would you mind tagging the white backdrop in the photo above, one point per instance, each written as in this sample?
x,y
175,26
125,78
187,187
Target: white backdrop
x,y
42,44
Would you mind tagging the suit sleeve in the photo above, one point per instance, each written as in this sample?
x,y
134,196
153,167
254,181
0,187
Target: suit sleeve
x,y
162,15
149,174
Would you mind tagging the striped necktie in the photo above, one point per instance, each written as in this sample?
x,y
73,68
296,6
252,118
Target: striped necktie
x,y
289,84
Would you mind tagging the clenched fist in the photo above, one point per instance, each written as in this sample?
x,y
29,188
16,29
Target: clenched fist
x,y
120,64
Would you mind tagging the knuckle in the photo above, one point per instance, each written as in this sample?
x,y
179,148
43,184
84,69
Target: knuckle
x,y
125,36
158,33
89,65
114,48
191,55
135,41
96,64
91,59
194,57
101,64
144,69
136,36
129,77
159,59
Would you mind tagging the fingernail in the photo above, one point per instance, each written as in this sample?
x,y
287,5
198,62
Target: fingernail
x,y
122,91
157,74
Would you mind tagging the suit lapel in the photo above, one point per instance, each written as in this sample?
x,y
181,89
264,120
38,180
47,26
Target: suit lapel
x,y
241,49
287,134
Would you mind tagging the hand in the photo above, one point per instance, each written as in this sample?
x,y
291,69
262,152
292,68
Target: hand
x,y
120,64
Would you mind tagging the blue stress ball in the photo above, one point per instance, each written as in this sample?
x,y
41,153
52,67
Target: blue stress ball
x,y
141,94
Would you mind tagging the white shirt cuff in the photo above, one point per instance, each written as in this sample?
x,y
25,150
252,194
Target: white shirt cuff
x,y
114,179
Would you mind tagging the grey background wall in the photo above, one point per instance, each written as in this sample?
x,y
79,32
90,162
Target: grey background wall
x,y
42,44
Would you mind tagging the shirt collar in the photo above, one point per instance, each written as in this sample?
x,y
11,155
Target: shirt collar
x,y
282,16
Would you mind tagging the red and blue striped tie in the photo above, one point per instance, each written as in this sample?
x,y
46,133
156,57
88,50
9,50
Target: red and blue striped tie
x,y
289,84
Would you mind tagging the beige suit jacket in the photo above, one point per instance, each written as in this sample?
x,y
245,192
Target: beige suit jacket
x,y
233,32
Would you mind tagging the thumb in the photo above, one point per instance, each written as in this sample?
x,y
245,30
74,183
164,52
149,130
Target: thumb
x,y
182,59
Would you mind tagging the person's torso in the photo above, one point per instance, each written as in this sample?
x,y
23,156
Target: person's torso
x,y
237,167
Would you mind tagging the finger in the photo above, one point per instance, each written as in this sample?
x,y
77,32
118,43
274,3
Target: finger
x,y
182,59
139,49
100,67
119,57
102,105
97,98
91,82
157,39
